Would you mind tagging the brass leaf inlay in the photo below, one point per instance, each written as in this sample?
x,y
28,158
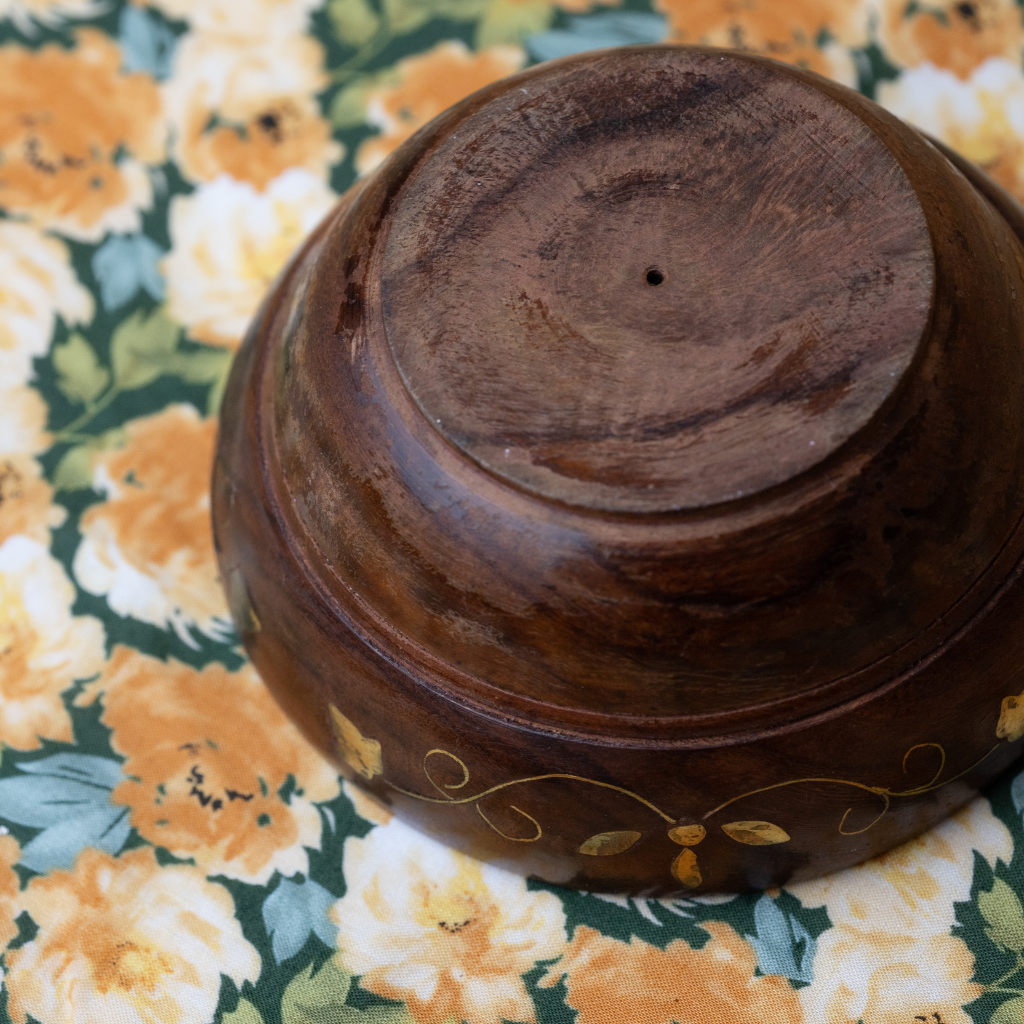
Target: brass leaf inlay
x,y
685,870
607,844
359,752
756,833
687,835
364,755
1011,718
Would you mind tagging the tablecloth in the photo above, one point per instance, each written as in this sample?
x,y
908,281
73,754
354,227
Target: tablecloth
x,y
172,850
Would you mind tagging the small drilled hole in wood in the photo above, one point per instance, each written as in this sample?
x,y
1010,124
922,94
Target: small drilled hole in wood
x,y
655,276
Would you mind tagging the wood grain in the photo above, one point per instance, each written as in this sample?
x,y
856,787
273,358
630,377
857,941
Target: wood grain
x,y
541,656
520,303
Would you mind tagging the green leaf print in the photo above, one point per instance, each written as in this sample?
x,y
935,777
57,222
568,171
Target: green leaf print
x,y
74,470
354,21
141,348
1010,1012
509,21
348,108
316,998
320,998
244,1013
79,374
1002,911
144,348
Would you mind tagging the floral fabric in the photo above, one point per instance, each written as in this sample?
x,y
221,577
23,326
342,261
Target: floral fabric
x,y
171,850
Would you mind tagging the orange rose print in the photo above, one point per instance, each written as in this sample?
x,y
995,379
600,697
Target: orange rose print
x,y
977,116
954,34
426,85
37,284
25,500
269,19
787,30
636,983
10,851
44,649
215,770
884,975
889,952
448,935
73,130
25,495
123,939
148,547
229,242
249,111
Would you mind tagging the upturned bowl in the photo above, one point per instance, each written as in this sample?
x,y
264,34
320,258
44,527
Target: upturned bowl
x,y
624,483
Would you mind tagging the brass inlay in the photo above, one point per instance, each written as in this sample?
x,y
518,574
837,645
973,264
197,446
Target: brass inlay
x,y
687,835
605,844
685,870
884,793
756,833
1011,718
359,752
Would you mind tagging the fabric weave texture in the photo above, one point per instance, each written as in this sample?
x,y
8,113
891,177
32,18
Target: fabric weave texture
x,y
171,850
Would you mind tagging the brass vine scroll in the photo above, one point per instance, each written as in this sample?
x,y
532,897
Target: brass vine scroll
x,y
884,793
685,832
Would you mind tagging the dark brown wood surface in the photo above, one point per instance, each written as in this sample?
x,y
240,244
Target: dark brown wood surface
x,y
638,452
620,303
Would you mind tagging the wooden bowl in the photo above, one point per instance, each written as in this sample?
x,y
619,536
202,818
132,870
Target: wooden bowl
x,y
625,481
